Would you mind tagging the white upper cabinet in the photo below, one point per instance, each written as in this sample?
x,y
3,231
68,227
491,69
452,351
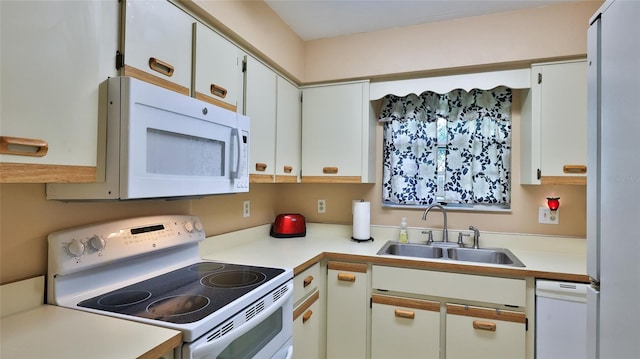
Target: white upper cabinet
x,y
338,134
260,106
218,76
554,124
157,44
55,54
288,132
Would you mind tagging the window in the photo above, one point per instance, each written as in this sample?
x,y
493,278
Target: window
x,y
452,148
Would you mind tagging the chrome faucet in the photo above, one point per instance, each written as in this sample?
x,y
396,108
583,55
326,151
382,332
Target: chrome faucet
x,y
445,232
476,237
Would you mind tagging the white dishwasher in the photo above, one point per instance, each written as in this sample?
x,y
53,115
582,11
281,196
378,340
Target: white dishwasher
x,y
561,320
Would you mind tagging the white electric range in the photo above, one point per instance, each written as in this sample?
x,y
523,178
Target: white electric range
x,y
148,269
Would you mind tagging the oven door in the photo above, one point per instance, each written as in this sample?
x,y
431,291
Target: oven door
x,y
267,334
175,145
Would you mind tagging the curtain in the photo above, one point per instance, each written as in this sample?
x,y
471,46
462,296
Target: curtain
x,y
478,147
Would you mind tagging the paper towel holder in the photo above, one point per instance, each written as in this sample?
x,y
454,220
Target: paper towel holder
x,y
363,240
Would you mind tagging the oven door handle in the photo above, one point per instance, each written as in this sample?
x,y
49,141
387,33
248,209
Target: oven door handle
x,y
205,350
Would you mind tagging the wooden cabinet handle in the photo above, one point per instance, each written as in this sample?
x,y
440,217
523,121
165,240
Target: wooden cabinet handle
x,y
477,324
261,167
218,91
330,170
408,314
347,277
23,146
288,169
307,281
162,67
306,316
574,169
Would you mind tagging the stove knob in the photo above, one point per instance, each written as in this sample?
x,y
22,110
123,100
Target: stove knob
x,y
199,226
75,248
188,225
96,242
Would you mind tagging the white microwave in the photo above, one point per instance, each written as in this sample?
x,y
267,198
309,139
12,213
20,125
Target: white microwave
x,y
161,144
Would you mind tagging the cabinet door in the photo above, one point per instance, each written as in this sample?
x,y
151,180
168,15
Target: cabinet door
x,y
554,144
288,135
307,322
474,332
218,69
404,328
55,55
347,303
260,106
336,133
157,44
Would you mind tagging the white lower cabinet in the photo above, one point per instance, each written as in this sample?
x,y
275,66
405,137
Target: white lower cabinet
x,y
404,328
474,332
347,310
454,315
307,323
308,314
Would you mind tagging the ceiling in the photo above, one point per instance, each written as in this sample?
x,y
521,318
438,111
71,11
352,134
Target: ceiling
x,y
314,19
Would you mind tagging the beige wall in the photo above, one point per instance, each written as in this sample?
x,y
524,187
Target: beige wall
x,y
506,39
26,217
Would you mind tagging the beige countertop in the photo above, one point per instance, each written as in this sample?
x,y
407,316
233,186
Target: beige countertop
x,y
560,258
50,331
31,329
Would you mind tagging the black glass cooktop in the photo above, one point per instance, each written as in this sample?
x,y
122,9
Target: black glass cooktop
x,y
184,295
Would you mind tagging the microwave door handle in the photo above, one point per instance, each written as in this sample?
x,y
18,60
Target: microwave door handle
x,y
235,173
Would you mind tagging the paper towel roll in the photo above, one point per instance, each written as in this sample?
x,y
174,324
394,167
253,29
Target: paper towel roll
x,y
361,221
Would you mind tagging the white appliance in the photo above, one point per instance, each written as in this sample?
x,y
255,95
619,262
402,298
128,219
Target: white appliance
x,y
148,270
561,320
162,144
613,181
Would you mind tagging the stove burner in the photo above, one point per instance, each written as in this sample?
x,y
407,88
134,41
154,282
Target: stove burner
x,y
233,279
124,298
205,267
177,305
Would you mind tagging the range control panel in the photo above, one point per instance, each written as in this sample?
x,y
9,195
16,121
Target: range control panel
x,y
93,245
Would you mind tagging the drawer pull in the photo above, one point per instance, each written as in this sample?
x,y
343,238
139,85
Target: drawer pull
x,y
218,91
575,169
408,314
307,281
346,277
477,324
306,316
330,170
161,66
288,169
261,167
23,146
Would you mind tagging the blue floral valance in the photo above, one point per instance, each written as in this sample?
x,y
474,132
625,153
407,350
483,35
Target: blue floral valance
x,y
478,147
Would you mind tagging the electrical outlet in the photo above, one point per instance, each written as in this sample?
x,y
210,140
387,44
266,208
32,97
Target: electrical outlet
x,y
546,217
322,206
246,208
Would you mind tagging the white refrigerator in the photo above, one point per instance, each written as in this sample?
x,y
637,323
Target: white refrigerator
x,y
613,181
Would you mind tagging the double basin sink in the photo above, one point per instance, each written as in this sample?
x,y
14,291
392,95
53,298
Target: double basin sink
x,y
501,256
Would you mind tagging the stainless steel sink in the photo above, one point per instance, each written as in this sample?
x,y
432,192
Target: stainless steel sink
x,y
500,256
411,250
484,255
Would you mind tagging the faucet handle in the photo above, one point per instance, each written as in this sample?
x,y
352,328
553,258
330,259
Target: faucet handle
x,y
430,238
460,235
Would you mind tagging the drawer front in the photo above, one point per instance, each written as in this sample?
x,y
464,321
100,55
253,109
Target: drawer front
x,y
404,328
474,332
306,328
505,291
305,283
